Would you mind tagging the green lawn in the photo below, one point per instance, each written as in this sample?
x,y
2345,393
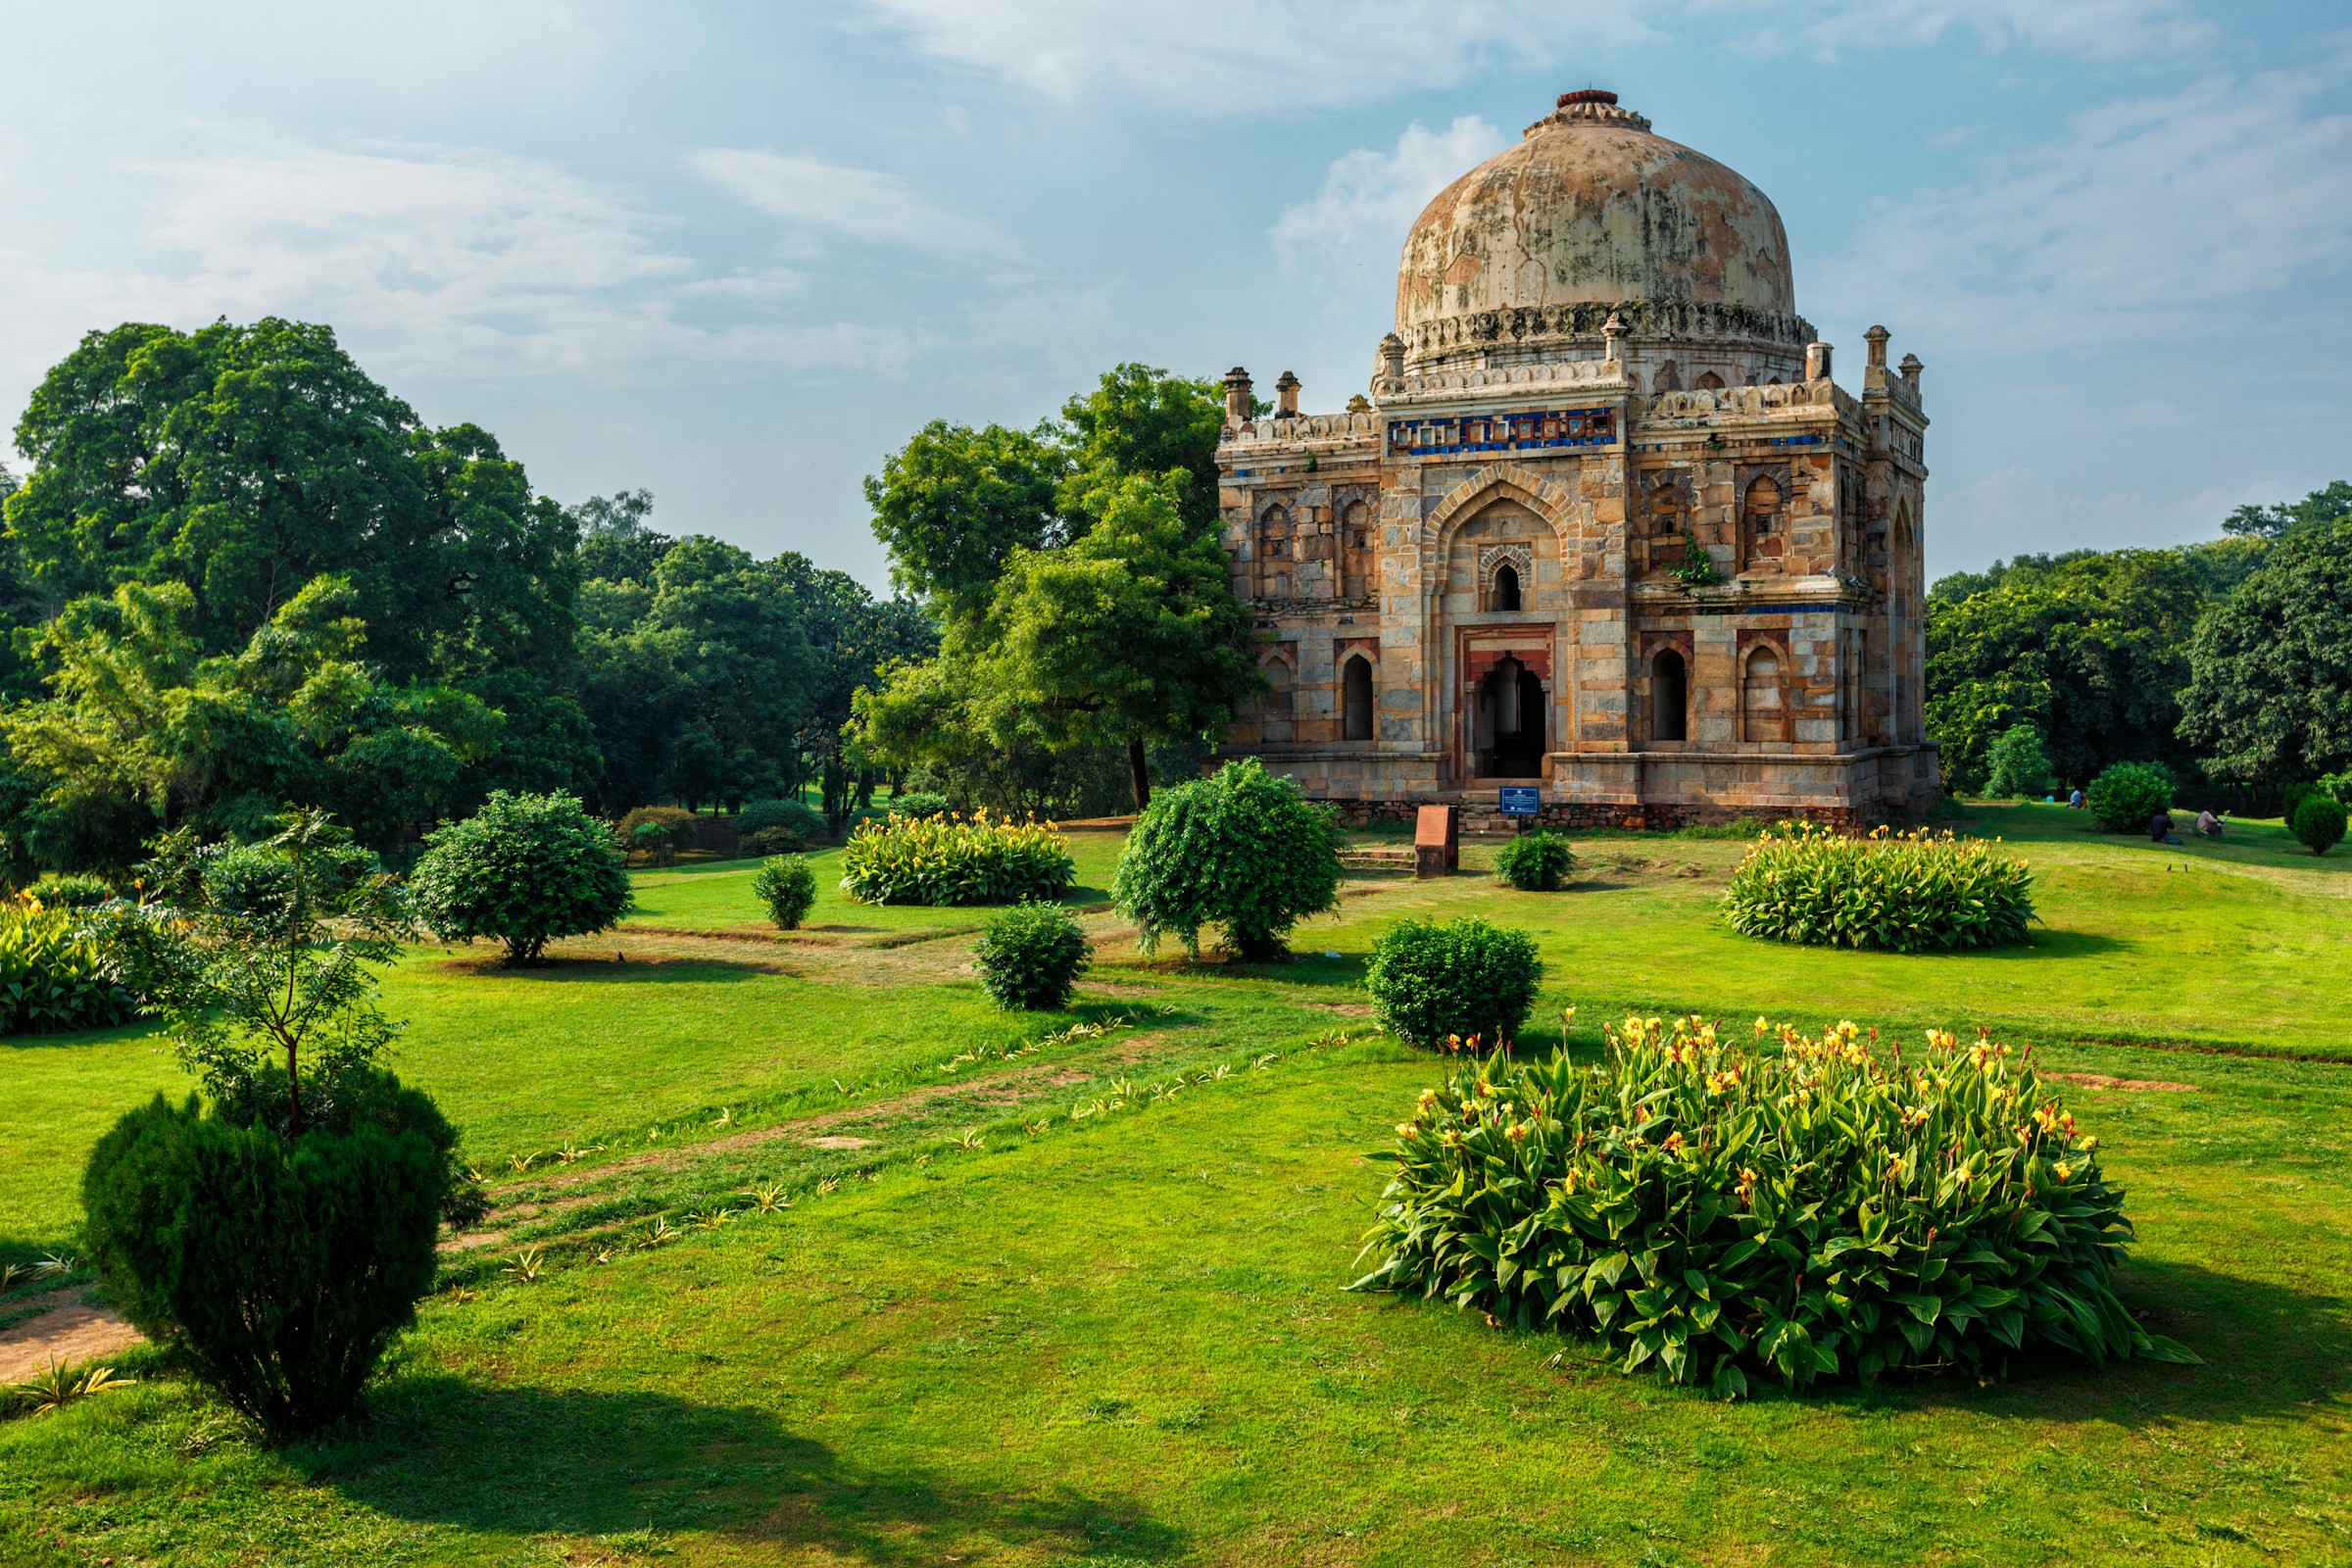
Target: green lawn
x,y
986,1332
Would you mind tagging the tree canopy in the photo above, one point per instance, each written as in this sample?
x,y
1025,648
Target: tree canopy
x,y
2270,698
2091,650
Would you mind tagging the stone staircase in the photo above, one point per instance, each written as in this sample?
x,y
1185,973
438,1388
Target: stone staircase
x,y
1377,858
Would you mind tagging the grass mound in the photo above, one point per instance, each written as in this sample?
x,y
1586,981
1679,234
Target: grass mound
x,y
956,860
1919,892
1797,1208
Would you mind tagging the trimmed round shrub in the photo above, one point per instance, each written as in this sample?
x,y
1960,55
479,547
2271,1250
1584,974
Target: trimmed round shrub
x,y
2317,824
1535,862
1031,956
1792,1208
71,890
954,860
1453,984
282,1266
917,802
787,884
1242,850
56,973
673,825
1918,892
766,841
525,869
2128,795
801,825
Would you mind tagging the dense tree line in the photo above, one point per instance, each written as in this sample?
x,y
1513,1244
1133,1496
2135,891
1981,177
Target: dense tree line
x,y
239,574
2225,661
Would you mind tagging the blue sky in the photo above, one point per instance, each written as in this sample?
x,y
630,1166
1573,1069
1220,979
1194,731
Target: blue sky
x,y
735,254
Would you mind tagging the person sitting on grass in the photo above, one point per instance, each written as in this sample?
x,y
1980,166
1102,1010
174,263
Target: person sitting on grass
x,y
2073,801
2208,823
2160,828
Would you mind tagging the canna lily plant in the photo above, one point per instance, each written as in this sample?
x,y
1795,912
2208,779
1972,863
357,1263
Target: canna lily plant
x,y
956,860
1916,892
1792,1208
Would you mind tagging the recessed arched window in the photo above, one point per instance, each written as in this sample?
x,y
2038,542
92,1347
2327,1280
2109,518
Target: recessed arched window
x,y
1504,594
1763,715
1669,697
1355,698
1709,382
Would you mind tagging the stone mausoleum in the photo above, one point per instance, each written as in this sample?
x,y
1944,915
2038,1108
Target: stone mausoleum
x,y
1604,524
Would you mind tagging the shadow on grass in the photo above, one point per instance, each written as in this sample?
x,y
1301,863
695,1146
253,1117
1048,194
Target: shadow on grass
x,y
532,1461
68,1039
604,971
2268,1351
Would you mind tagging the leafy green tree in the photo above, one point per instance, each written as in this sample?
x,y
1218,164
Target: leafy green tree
x,y
2319,509
1141,422
525,869
243,461
2317,823
262,958
2092,652
2271,693
2019,765
142,732
1130,635
953,503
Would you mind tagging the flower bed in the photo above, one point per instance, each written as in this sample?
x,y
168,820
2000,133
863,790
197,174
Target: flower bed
x,y
1917,892
1794,1207
956,860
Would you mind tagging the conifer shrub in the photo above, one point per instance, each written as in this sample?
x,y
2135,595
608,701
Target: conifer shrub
x,y
2317,824
1917,892
1453,984
1535,862
1792,1208
283,1265
526,871
2126,796
1030,957
1242,850
956,860
787,884
57,972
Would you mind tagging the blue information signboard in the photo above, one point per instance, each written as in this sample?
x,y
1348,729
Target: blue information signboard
x,y
1522,800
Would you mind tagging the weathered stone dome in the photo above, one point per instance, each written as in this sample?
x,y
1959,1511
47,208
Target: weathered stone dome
x,y
1591,211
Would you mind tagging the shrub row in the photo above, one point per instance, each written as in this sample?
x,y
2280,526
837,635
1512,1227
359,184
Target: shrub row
x,y
1795,1207
956,860
1916,892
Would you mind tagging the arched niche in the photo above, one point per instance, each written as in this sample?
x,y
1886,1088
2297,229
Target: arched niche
x,y
1356,697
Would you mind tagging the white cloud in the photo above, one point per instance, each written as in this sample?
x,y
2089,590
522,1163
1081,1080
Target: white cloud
x,y
1371,197
427,260
863,203
1250,56
1273,57
2097,30
2145,217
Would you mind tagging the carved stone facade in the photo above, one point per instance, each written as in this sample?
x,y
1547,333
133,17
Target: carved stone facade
x,y
1604,524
